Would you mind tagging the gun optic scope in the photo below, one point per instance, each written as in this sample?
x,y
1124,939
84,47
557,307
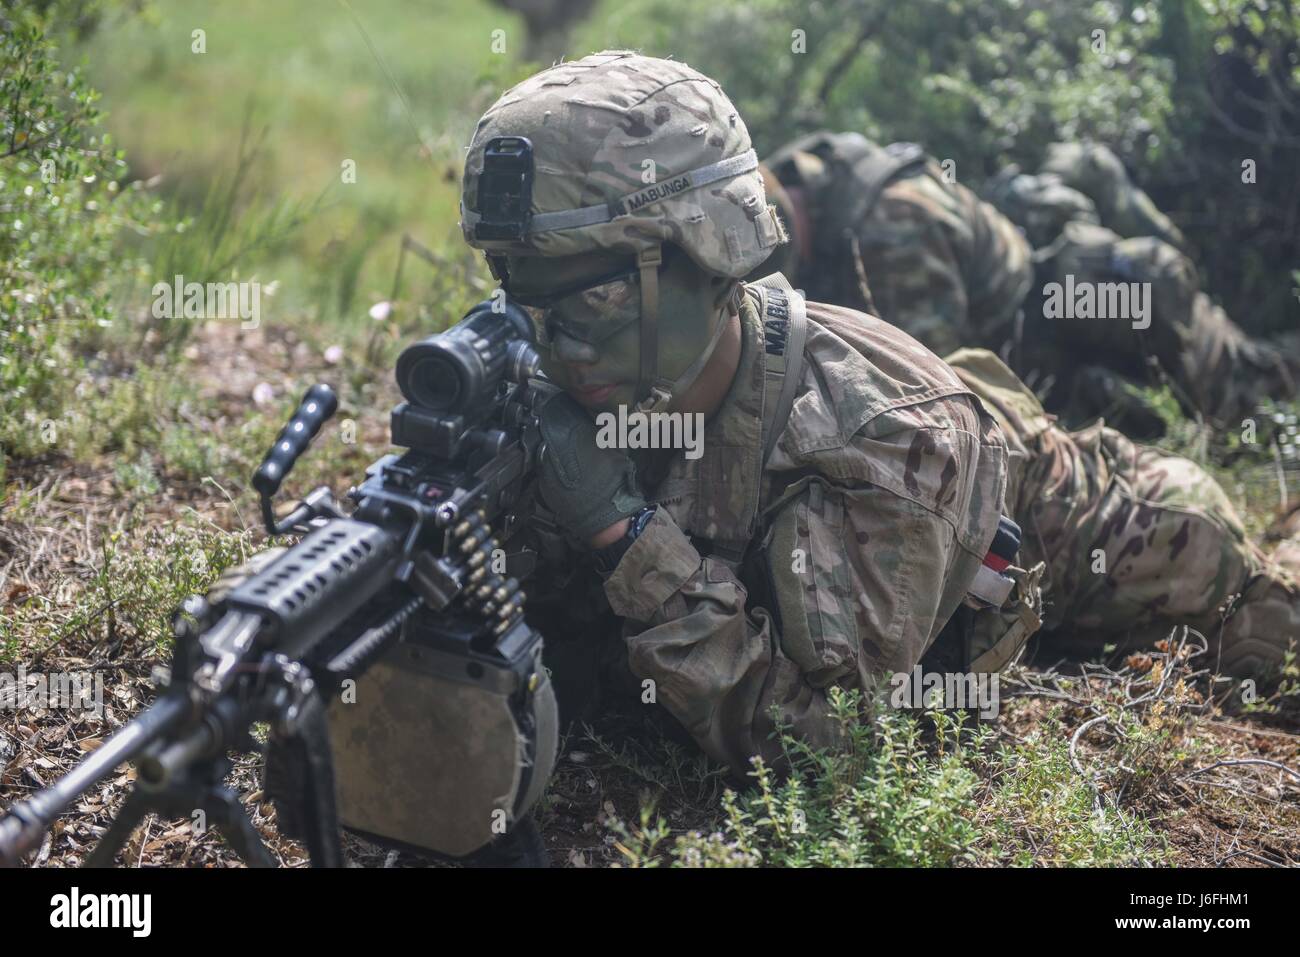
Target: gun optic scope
x,y
459,371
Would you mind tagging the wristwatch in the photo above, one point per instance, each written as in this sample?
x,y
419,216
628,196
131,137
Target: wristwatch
x,y
606,559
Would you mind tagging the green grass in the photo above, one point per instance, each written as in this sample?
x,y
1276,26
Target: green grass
x,y
302,71
924,790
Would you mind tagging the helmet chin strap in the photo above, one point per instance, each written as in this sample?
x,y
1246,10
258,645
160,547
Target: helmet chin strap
x,y
653,393
650,396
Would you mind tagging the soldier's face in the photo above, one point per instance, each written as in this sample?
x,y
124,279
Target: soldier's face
x,y
589,321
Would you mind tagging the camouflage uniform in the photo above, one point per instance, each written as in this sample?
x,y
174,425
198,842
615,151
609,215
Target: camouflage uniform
x,y
938,262
759,585
1172,549
881,494
1087,221
756,584
879,502
1136,540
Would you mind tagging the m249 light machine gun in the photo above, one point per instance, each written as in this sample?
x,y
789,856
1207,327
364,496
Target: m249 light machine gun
x,y
386,650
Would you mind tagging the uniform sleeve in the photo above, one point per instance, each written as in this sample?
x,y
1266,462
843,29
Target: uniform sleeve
x,y
857,589
1000,271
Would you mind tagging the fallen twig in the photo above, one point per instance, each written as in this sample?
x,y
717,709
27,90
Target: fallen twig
x,y
1235,761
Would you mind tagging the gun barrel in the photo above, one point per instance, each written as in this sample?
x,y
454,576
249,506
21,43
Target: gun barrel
x,y
23,827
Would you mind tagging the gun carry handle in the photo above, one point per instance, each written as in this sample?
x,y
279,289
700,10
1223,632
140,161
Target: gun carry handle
x,y
319,403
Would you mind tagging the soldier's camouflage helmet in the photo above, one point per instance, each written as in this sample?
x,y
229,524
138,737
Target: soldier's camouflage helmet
x,y
619,151
1040,205
1094,170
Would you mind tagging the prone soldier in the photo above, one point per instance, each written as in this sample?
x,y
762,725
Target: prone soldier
x,y
954,271
1091,227
846,514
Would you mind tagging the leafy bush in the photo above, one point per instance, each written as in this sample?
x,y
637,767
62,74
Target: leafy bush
x,y
881,800
924,790
84,368
974,81
62,212
142,574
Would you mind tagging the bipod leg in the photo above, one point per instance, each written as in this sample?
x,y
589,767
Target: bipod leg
x,y
133,811
222,804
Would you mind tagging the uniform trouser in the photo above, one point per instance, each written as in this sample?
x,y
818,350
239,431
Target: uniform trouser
x,y
1138,541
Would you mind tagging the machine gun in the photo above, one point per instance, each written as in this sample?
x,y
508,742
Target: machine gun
x,y
402,611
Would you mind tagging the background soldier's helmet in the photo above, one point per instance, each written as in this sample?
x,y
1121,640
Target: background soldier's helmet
x,y
1040,205
1096,171
619,151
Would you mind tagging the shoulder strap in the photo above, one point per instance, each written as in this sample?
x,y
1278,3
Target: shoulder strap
x,y
785,328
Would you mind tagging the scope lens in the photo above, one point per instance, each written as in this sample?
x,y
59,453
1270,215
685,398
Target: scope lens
x,y
432,382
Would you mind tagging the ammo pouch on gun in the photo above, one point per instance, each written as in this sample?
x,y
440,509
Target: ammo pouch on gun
x,y
445,746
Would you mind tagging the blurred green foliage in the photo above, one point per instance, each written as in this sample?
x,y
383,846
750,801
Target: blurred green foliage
x,y
391,86
233,166
63,212
1184,90
977,82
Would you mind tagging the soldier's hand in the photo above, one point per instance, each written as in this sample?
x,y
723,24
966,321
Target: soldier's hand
x,y
589,489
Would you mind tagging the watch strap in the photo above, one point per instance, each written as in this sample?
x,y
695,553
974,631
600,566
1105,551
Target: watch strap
x,y
606,559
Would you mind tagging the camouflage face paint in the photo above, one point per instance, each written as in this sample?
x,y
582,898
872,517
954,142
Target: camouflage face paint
x,y
598,361
591,314
687,314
